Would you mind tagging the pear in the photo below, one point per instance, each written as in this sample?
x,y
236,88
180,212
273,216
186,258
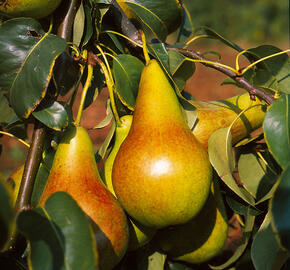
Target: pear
x,y
203,237
161,174
213,115
74,171
28,8
139,234
14,181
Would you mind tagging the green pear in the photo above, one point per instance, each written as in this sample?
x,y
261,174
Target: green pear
x,y
139,234
213,115
202,237
28,8
74,171
161,174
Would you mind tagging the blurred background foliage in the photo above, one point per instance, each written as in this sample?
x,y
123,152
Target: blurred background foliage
x,y
251,21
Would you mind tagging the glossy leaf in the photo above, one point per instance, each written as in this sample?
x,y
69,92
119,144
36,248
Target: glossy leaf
x,y
52,114
159,51
127,71
28,55
88,26
257,177
249,224
156,17
278,66
280,205
265,252
46,247
6,214
180,68
277,130
60,235
187,26
221,158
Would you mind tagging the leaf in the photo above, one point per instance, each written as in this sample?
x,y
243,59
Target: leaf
x,y
6,112
204,30
88,25
108,118
180,68
159,51
280,205
277,129
249,224
257,177
28,55
157,18
52,114
46,247
241,208
221,158
6,214
156,261
265,251
278,66
79,25
127,72
186,27
59,235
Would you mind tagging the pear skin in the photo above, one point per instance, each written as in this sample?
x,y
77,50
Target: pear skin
x,y
15,180
139,234
201,238
161,174
74,171
28,8
213,115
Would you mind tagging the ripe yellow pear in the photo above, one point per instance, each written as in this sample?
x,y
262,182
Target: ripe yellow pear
x,y
161,174
139,234
74,171
15,180
213,115
28,8
202,237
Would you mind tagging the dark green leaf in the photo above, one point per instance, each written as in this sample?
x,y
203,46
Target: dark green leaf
x,y
6,112
156,17
46,247
221,158
277,130
241,208
278,66
204,30
6,213
28,55
79,247
159,51
186,27
52,114
265,251
280,205
116,42
249,224
257,177
127,71
179,266
88,26
180,68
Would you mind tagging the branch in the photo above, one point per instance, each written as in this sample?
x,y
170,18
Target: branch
x,y
129,29
269,98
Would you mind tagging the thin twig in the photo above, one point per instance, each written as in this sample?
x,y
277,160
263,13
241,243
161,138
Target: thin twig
x,y
253,90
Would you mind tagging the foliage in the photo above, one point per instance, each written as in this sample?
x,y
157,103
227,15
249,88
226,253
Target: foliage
x,y
40,76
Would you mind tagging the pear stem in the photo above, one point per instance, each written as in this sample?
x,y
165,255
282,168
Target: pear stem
x,y
110,84
84,94
145,49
